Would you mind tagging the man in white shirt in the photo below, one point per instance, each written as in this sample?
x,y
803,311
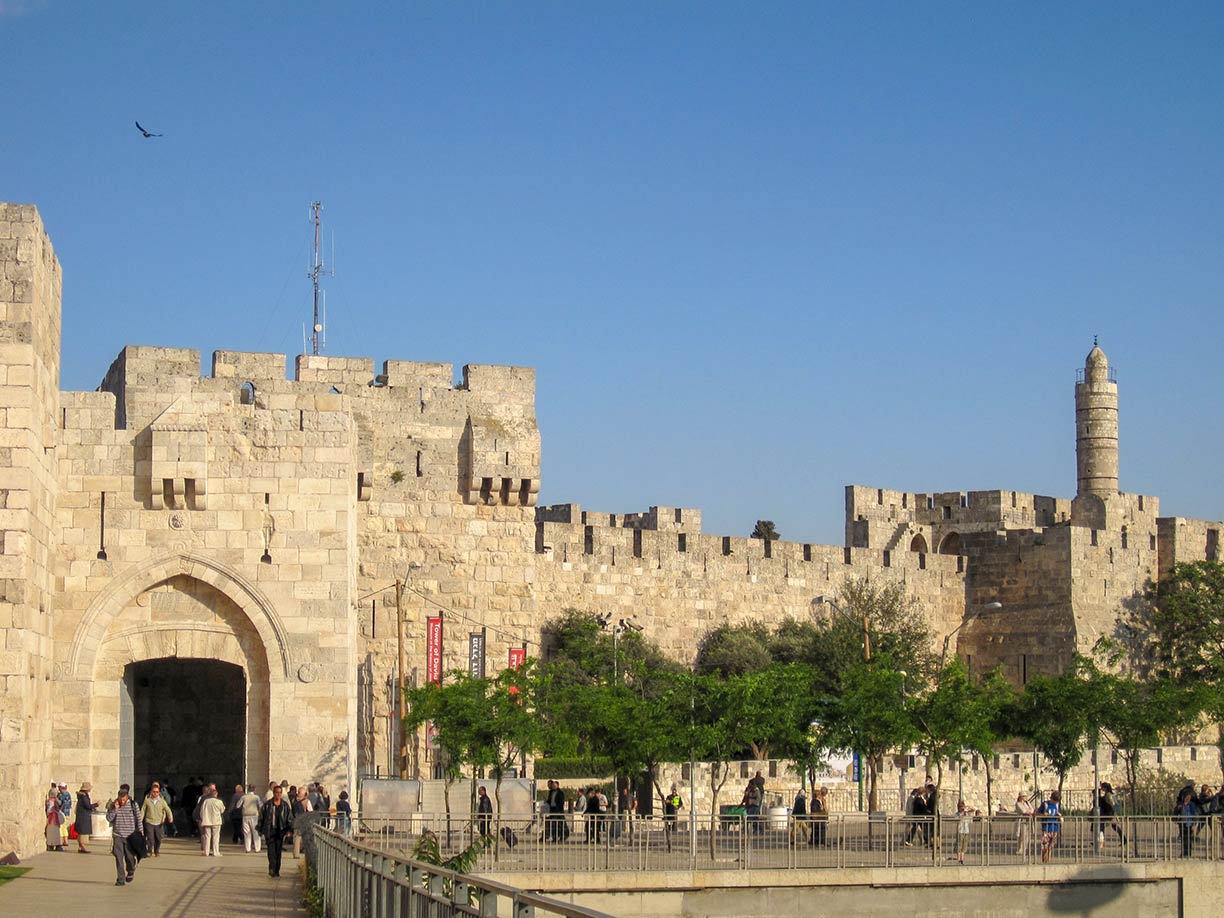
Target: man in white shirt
x,y
212,816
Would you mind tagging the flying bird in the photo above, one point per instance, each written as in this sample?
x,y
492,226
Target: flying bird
x,y
144,132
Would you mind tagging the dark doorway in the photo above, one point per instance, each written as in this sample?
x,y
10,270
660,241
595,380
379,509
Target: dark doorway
x,y
188,721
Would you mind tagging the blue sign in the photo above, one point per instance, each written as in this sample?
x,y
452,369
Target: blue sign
x,y
858,768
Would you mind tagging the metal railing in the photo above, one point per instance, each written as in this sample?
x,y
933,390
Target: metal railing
x,y
359,881
527,843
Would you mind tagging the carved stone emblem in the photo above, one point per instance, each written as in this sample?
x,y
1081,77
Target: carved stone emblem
x,y
308,672
178,520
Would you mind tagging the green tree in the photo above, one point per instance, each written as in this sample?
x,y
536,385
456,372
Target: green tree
x,y
896,626
764,529
482,723
868,716
1058,714
733,650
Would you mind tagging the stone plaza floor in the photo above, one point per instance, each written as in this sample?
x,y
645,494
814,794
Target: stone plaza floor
x,y
179,884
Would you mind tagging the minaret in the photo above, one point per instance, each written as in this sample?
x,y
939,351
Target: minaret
x,y
1096,427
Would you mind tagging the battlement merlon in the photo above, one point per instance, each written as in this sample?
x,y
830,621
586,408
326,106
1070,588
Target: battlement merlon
x,y
503,390
659,519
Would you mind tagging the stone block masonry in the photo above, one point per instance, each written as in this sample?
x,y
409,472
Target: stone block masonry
x,y
255,521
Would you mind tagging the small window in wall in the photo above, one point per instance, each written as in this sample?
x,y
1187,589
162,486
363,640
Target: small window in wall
x,y
743,769
768,547
880,496
1013,500
418,464
964,501
1194,753
1152,542
921,561
507,457
681,542
904,501
1213,545
588,540
807,552
846,558
773,768
887,558
637,543
679,516
947,513
486,490
247,396
930,503
1094,537
1140,503
1113,756
892,511
726,545
1125,538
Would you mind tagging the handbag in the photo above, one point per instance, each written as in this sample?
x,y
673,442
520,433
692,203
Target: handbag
x,y
136,841
137,845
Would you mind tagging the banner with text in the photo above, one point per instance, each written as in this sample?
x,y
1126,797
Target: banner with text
x,y
476,654
433,650
518,656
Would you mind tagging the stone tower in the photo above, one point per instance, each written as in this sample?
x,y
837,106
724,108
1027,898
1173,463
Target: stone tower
x,y
1096,427
29,404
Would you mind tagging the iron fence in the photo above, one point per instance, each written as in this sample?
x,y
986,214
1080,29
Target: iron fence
x,y
529,843
359,881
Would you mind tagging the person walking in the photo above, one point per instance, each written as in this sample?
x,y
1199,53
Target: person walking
x,y
275,820
1108,804
964,826
125,820
85,809
248,808
484,813
212,817
156,814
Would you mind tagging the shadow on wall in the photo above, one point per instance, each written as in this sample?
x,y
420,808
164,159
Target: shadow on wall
x,y
1083,895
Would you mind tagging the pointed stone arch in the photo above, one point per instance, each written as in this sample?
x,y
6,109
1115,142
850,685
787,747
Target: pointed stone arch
x,y
91,633
919,544
951,544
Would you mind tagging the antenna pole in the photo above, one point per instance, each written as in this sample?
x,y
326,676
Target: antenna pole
x,y
315,270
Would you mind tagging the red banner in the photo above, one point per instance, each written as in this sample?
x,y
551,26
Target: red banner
x,y
518,656
433,650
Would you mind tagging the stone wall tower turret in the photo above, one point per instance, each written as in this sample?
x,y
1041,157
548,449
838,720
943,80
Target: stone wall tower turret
x,y
1096,427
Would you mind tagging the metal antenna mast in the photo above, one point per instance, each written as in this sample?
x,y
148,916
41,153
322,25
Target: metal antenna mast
x,y
316,269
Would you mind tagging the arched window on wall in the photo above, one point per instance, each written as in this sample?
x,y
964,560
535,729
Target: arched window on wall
x,y
951,544
918,544
247,396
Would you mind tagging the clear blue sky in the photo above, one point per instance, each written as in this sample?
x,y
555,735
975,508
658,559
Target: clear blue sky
x,y
755,251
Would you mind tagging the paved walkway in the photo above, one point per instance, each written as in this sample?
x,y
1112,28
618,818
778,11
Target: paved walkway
x,y
179,884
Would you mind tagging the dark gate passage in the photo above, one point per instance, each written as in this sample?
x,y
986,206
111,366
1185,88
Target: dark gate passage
x,y
188,720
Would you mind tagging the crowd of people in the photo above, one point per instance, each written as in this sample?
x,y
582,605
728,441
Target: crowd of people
x,y
259,822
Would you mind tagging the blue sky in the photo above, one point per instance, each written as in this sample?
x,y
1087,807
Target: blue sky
x,y
754,251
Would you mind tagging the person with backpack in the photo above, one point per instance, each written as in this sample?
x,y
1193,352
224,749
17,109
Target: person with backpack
x,y
1107,803
125,821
